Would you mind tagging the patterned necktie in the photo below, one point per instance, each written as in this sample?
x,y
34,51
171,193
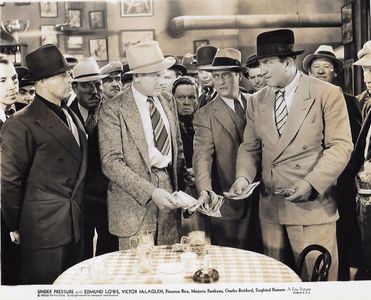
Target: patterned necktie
x,y
160,135
91,123
281,112
238,109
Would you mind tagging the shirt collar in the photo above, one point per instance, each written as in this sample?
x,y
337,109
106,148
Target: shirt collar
x,y
291,87
138,96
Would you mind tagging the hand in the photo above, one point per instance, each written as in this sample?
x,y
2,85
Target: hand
x,y
303,191
14,236
164,200
208,198
240,186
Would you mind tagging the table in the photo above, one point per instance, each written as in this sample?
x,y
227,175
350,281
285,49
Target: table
x,y
233,265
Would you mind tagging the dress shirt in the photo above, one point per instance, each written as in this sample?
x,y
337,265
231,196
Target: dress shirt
x,y
230,102
83,111
290,90
156,158
3,115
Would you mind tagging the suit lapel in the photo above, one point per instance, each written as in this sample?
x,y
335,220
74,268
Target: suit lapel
x,y
299,110
267,116
133,119
50,122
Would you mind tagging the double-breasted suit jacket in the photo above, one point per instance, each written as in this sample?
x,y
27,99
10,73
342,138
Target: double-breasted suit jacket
x,y
315,146
125,161
42,171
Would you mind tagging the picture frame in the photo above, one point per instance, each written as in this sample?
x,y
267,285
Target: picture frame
x,y
74,42
97,19
48,35
347,28
74,17
99,49
136,8
349,77
199,43
48,9
132,37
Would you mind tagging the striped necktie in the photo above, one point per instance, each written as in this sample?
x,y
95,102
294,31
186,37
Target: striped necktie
x,y
281,112
160,134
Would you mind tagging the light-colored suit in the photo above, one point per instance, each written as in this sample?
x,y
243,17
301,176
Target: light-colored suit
x,y
125,161
218,134
315,145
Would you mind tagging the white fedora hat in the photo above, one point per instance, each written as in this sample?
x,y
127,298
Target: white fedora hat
x,y
227,58
86,70
147,57
364,55
323,51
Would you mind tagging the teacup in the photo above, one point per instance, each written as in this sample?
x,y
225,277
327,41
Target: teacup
x,y
194,242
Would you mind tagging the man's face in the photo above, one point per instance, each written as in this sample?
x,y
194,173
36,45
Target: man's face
x,y
111,85
227,83
367,77
88,93
26,94
59,86
273,71
149,84
8,84
256,79
323,69
168,81
205,78
186,99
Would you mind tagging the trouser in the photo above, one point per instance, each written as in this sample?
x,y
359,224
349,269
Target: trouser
x,y
168,222
43,266
286,242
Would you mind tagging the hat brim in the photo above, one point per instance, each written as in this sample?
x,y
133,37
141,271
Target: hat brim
x,y
307,62
29,77
90,78
283,54
364,61
217,68
157,67
204,67
180,68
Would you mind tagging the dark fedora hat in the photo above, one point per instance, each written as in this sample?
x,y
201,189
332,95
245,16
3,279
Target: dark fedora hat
x,y
276,43
22,72
177,66
44,62
204,56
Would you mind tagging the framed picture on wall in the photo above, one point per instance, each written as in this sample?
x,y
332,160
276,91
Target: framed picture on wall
x,y
98,49
136,8
74,16
74,42
199,43
133,37
48,9
48,35
349,77
347,23
97,19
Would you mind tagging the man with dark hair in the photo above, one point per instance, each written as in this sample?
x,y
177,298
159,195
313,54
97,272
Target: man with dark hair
x,y
298,133
26,91
43,163
254,74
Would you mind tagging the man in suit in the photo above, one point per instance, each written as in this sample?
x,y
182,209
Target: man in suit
x,y
111,83
8,95
219,129
365,97
297,131
87,85
43,162
254,75
26,91
141,152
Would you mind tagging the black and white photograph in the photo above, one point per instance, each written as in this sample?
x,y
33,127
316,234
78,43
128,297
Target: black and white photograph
x,y
171,149
136,8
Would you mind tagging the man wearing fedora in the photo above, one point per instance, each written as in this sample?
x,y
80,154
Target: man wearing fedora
x,y
26,92
359,165
324,65
219,128
203,59
87,85
111,84
365,97
43,162
174,72
298,133
141,152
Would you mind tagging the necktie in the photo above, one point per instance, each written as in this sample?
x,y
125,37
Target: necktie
x,y
280,111
238,109
9,112
160,135
91,122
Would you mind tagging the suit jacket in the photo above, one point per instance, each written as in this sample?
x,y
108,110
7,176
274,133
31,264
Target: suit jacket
x,y
42,170
364,103
315,145
125,162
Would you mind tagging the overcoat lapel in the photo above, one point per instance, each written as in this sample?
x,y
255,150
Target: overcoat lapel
x,y
301,105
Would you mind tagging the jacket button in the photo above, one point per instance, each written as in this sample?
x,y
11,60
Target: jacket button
x,y
297,166
274,165
305,147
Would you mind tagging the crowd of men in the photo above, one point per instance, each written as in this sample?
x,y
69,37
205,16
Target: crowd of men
x,y
91,151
